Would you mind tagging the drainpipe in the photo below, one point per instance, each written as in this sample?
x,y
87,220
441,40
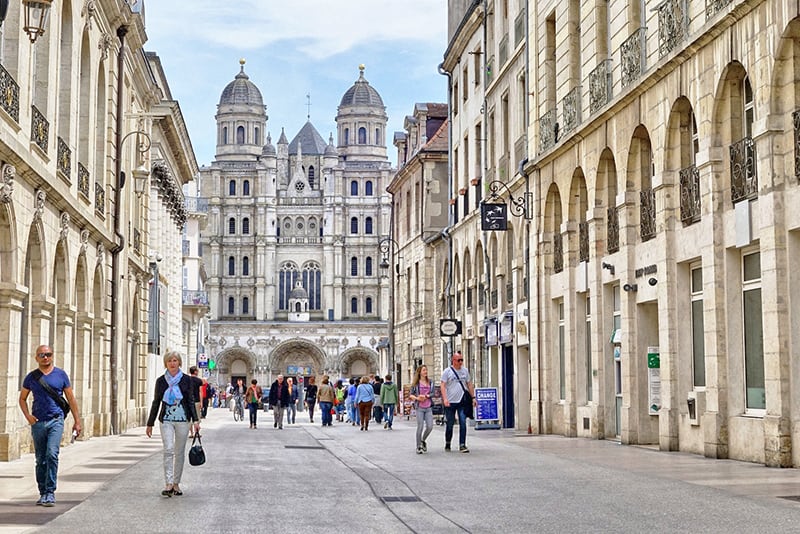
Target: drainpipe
x,y
446,232
120,246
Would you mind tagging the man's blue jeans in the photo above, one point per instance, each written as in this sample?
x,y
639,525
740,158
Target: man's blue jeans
x,y
388,414
47,444
449,420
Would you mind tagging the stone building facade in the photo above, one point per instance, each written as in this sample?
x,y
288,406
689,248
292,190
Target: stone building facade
x,y
73,235
291,247
662,157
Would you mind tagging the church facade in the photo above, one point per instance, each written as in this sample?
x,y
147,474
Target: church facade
x,y
291,247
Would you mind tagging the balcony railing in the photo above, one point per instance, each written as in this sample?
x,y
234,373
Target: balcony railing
x,y
300,201
571,109
600,86
40,128
9,94
632,56
713,6
548,131
647,214
83,181
558,253
185,247
196,205
100,200
690,195
796,120
583,241
744,181
195,298
612,230
673,25
64,160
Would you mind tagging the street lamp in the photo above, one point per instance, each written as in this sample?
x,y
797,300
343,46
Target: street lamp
x,y
36,12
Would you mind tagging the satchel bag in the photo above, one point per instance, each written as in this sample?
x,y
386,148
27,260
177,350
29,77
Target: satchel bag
x,y
61,401
466,400
197,456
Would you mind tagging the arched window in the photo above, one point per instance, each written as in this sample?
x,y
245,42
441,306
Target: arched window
x,y
377,136
287,276
245,305
240,135
311,176
354,225
246,226
257,137
362,136
246,188
231,225
368,226
225,135
245,266
354,188
347,136
231,305
231,266
297,307
368,188
368,305
368,266
353,266
353,305
232,188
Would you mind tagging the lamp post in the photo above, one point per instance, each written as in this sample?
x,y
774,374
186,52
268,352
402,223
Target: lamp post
x,y
36,12
387,247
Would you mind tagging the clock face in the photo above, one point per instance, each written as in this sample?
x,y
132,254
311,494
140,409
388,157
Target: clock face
x,y
494,217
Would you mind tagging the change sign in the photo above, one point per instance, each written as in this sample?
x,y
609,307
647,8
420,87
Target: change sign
x,y
487,404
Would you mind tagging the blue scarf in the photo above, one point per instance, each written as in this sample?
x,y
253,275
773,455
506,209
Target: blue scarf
x,y
173,393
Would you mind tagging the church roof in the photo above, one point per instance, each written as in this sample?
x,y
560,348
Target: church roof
x,y
362,93
241,91
309,138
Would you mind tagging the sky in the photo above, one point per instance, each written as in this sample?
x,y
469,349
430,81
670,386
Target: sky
x,y
295,48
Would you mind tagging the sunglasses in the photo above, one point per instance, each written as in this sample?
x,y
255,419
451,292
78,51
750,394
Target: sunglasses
x,y
45,354
459,360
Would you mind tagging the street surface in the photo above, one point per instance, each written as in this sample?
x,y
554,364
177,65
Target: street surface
x,y
306,478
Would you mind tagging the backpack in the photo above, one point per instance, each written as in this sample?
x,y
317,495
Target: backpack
x,y
341,394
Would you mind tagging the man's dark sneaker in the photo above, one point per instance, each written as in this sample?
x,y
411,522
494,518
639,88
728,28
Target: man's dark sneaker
x,y
463,448
419,450
41,500
424,446
447,446
49,500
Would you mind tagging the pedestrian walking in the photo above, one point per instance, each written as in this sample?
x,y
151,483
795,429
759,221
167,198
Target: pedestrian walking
x,y
389,399
377,408
326,397
174,404
48,383
253,396
279,400
340,403
364,398
455,382
197,390
350,403
421,393
311,398
291,409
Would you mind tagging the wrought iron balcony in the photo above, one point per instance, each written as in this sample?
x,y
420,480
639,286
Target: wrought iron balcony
x,y
647,214
9,94
548,131
714,6
796,120
195,298
600,86
40,128
64,159
690,195
100,200
744,181
632,56
612,230
583,241
558,253
673,25
571,109
83,181
196,205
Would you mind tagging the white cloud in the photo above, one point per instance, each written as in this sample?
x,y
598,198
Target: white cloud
x,y
317,28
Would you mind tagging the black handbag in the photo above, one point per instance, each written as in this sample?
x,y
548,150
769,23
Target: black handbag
x,y
197,456
466,400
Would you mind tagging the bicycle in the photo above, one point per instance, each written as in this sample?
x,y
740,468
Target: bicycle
x,y
238,408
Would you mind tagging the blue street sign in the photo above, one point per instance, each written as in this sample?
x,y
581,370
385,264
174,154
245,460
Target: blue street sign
x,y
487,404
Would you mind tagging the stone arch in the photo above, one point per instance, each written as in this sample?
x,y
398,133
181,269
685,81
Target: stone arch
x,y
227,363
8,245
359,361
299,352
785,100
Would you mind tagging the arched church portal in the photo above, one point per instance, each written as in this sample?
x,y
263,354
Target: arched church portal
x,y
235,362
297,357
359,361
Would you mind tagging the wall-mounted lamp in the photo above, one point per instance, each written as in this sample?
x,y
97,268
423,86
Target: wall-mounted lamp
x,y
652,281
140,176
609,267
36,12
630,287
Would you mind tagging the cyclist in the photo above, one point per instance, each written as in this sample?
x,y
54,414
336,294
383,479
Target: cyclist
x,y
238,399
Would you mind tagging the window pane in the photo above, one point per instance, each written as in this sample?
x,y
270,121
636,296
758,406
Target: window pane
x,y
754,350
752,267
698,344
562,364
588,361
697,280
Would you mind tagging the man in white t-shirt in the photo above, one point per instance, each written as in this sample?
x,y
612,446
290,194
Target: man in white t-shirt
x,y
454,381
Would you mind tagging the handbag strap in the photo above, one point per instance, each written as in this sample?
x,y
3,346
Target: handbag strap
x,y
196,437
47,388
459,379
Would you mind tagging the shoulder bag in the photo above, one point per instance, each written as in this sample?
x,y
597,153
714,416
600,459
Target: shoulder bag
x,y
466,400
61,401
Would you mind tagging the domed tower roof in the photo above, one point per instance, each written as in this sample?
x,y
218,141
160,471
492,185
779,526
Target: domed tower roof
x,y
299,291
330,150
241,91
269,149
362,93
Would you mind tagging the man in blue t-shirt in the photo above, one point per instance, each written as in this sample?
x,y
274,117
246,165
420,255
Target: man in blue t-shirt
x,y
47,419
